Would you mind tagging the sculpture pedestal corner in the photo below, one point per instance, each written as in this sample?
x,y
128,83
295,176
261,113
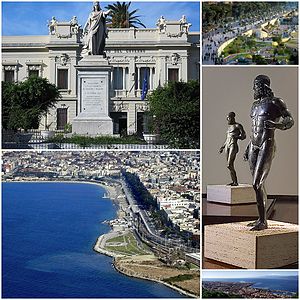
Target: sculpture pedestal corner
x,y
235,244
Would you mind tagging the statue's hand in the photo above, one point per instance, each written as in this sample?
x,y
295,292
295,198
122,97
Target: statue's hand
x,y
268,124
108,12
221,149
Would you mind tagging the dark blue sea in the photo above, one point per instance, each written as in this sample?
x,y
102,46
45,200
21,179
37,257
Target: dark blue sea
x,y
48,234
283,283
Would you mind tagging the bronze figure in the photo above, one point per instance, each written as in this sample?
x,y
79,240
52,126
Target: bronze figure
x,y
267,113
234,133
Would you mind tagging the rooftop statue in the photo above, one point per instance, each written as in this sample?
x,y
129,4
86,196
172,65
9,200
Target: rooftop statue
x,y
234,133
94,31
267,113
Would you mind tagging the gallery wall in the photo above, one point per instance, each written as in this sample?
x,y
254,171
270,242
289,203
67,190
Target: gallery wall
x,y
231,89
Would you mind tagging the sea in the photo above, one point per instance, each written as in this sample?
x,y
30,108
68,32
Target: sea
x,y
273,283
48,234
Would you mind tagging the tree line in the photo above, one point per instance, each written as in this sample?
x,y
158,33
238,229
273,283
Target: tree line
x,y
217,12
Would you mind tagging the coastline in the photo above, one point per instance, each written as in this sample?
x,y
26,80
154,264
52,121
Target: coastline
x,y
99,249
112,195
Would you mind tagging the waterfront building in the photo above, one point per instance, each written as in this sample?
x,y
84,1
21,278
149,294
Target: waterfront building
x,y
168,52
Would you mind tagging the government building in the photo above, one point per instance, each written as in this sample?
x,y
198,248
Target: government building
x,y
168,52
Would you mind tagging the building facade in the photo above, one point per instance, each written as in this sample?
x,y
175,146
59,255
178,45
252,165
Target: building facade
x,y
169,52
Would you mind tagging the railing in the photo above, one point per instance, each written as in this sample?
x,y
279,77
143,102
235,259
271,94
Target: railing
x,y
33,139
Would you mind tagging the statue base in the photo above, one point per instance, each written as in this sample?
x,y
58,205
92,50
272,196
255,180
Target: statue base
x,y
93,119
92,126
227,194
235,244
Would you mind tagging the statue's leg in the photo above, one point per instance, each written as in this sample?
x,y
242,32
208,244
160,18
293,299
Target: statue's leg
x,y
230,165
252,158
261,171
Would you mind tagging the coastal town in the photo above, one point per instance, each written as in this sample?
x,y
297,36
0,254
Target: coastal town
x,y
215,289
156,234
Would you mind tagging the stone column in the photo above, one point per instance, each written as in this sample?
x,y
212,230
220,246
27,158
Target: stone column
x,y
184,69
131,72
131,119
150,78
138,78
124,78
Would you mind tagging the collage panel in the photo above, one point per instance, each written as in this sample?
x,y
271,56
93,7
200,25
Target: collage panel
x,y
250,284
250,32
95,81
100,224
250,170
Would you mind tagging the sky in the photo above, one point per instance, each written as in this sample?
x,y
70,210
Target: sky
x,y
246,274
31,18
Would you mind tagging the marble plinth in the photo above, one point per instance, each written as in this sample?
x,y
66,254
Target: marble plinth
x,y
226,194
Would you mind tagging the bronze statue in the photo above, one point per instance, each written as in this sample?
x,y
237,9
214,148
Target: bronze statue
x,y
267,113
235,132
95,31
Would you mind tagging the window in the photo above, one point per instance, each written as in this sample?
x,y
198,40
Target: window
x,y
9,75
172,74
118,78
62,79
144,75
62,117
33,73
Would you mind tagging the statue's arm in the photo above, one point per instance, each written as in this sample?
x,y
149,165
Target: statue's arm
x,y
106,13
242,134
86,27
246,153
286,121
222,147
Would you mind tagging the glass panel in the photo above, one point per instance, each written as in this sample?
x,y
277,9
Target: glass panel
x,y
9,76
62,79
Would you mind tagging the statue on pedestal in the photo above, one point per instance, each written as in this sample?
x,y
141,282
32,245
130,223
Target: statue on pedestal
x,y
95,32
235,132
267,113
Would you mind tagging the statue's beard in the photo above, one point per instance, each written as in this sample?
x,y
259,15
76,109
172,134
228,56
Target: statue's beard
x,y
262,92
258,93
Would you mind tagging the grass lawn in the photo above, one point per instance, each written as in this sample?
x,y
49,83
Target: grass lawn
x,y
129,246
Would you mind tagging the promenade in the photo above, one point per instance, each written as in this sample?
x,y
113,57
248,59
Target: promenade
x,y
216,38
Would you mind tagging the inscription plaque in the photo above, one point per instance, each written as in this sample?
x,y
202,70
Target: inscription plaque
x,y
94,95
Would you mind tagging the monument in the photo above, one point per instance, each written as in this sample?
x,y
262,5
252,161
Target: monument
x,y
93,82
267,114
234,133
232,193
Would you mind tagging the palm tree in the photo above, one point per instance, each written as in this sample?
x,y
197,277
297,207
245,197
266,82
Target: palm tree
x,y
120,17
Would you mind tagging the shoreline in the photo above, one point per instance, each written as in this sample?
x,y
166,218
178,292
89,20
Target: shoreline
x,y
107,188
99,249
111,195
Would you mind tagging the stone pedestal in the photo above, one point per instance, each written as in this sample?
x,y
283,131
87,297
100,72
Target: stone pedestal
x,y
227,194
93,97
235,244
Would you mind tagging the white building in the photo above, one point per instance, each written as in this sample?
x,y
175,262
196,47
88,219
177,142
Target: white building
x,y
168,52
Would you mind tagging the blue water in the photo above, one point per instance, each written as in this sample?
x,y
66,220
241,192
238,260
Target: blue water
x,y
48,232
283,283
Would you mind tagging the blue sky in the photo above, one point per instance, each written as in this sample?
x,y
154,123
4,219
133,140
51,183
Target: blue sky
x,y
247,274
30,18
